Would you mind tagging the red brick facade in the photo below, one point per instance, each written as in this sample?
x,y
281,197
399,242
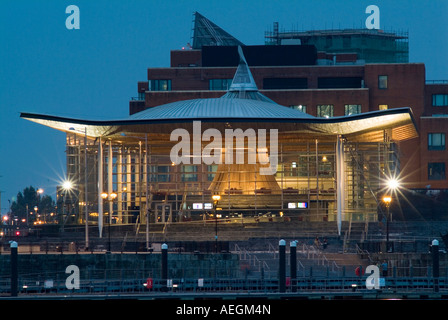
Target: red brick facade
x,y
406,87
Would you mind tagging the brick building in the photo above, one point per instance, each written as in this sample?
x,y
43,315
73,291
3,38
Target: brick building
x,y
322,84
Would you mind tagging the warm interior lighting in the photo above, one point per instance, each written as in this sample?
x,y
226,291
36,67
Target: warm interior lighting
x,y
111,196
387,200
216,197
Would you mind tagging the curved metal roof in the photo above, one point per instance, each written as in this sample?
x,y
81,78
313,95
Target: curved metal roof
x,y
243,103
226,108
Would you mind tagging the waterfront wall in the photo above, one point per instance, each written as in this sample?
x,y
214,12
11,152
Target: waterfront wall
x,y
124,266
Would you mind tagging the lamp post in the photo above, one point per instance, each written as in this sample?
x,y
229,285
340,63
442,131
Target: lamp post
x,y
39,191
67,186
387,200
109,197
216,198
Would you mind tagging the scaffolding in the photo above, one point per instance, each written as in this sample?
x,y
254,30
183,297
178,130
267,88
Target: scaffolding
x,y
370,45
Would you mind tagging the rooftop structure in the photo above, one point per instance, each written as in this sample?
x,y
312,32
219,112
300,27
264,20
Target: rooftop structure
x,y
321,84
370,45
206,33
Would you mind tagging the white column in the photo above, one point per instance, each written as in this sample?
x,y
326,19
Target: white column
x,y
128,184
100,187
110,177
86,198
119,184
340,180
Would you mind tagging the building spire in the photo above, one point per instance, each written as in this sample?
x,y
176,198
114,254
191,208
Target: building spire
x,y
243,80
243,84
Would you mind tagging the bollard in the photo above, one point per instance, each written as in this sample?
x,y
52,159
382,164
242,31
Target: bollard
x,y
164,267
435,264
282,265
293,264
14,269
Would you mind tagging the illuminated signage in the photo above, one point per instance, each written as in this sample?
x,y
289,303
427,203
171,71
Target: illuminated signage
x,y
197,206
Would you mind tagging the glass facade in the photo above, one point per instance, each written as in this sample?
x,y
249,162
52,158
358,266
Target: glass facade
x,y
303,187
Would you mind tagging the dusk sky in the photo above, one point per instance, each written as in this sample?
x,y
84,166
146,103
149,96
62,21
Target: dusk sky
x,y
92,73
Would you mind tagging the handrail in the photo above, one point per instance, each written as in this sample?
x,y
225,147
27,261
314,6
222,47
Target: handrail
x,y
436,82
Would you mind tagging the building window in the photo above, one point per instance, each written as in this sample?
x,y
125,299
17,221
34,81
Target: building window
x,y
383,107
352,109
325,110
160,85
211,171
299,107
163,174
436,171
382,82
436,141
219,84
141,96
189,174
440,100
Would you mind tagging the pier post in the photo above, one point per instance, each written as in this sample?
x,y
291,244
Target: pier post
x,y
293,265
282,266
164,272
14,269
435,264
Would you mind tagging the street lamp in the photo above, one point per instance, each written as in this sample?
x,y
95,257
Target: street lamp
x,y
387,201
110,197
216,198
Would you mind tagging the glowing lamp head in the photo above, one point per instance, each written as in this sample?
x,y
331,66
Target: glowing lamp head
x,y
216,197
67,185
393,184
387,199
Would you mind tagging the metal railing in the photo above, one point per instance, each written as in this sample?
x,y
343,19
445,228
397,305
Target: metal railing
x,y
57,285
436,81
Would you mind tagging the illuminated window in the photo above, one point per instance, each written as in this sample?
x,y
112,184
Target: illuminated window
x,y
352,109
160,85
325,110
383,107
299,107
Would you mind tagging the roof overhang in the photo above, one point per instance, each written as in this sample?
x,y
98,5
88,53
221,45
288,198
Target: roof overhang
x,y
400,121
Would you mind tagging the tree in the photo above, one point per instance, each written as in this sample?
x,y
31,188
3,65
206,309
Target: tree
x,y
28,200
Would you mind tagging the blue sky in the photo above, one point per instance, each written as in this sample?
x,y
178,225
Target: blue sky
x,y
93,72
